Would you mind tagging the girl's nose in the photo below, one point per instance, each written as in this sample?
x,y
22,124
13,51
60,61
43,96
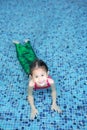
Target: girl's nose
x,y
40,79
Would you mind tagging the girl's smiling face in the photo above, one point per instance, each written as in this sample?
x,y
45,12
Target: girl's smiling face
x,y
39,76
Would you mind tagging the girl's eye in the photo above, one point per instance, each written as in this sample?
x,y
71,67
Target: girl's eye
x,y
42,75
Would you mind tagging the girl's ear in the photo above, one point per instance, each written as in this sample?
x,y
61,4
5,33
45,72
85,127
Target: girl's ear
x,y
48,72
30,76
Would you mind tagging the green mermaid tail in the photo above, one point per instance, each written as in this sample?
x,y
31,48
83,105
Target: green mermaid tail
x,y
25,55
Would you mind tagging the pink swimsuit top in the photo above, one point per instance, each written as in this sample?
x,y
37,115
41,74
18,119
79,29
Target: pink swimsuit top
x,y
37,87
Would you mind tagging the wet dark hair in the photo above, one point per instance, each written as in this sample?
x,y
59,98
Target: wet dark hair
x,y
38,63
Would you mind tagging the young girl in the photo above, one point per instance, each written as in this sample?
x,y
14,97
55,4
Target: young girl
x,y
39,75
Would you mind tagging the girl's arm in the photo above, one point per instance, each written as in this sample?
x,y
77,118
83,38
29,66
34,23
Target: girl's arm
x,y
54,96
34,111
30,97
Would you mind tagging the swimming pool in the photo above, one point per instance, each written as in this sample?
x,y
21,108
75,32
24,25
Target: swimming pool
x,y
58,33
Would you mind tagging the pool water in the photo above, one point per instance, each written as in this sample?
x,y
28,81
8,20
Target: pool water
x,y
58,33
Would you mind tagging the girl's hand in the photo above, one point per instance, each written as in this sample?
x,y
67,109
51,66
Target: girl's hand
x,y
56,108
34,113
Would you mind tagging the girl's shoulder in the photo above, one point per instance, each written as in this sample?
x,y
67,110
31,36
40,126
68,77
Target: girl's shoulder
x,y
50,80
31,83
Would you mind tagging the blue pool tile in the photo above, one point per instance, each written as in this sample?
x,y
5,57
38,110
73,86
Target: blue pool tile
x,y
58,33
